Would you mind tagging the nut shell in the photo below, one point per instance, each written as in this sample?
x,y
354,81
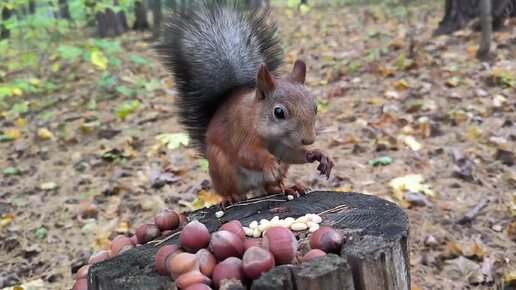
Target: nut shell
x,y
182,263
198,286
98,256
326,239
162,257
225,244
312,254
252,242
256,261
282,243
183,220
80,284
191,278
194,236
230,268
235,227
120,243
207,262
82,272
166,219
147,232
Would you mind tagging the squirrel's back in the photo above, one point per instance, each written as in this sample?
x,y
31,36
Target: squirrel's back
x,y
211,49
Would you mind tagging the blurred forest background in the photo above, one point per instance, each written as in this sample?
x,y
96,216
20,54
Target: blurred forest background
x,y
417,105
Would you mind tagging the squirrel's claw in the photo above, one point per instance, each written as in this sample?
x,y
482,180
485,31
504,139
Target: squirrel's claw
x,y
325,162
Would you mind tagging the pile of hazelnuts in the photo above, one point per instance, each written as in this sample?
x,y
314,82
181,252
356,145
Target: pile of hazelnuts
x,y
201,260
165,221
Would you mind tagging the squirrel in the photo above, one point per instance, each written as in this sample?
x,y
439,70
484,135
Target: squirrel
x,y
249,123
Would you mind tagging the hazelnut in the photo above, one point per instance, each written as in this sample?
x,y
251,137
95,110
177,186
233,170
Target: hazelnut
x,y
98,256
282,243
166,219
252,242
82,272
147,232
121,244
207,262
191,278
194,237
182,263
230,268
198,286
257,260
162,257
225,244
312,254
326,239
80,284
183,220
235,227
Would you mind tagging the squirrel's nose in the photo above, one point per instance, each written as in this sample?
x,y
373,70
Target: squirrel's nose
x,y
308,141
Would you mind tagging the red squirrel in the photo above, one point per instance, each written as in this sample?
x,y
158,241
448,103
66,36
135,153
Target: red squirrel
x,y
248,122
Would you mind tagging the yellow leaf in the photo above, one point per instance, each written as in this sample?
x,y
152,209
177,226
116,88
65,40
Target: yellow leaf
x,y
44,134
304,9
17,91
411,182
474,133
21,122
6,219
98,59
411,142
13,133
35,81
401,84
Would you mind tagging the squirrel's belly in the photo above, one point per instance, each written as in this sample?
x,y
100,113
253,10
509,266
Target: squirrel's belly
x,y
250,179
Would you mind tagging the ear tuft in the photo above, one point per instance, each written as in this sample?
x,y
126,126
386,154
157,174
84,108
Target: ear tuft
x,y
299,71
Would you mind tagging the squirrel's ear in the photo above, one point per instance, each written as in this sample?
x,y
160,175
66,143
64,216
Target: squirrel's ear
x,y
264,80
299,71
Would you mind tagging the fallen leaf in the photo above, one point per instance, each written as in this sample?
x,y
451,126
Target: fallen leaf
x,y
464,269
386,160
45,134
411,142
173,140
411,182
48,186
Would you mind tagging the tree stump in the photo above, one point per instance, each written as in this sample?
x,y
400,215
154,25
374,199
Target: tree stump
x,y
374,257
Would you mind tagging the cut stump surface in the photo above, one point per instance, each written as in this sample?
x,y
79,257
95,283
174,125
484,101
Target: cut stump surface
x,y
374,257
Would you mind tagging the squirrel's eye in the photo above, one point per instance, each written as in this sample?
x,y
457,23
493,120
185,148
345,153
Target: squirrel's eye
x,y
279,113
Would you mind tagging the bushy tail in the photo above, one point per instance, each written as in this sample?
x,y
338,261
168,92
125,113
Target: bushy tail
x,y
212,48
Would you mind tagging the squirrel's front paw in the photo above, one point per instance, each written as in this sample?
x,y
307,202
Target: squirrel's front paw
x,y
325,162
272,172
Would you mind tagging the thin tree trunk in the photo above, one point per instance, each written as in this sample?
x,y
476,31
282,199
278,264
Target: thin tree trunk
x,y
156,13
64,11
141,23
32,7
486,20
5,32
111,24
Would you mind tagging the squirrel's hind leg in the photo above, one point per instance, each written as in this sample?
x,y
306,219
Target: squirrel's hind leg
x,y
223,176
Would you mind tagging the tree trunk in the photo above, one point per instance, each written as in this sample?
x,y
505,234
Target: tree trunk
x,y
487,27
458,13
4,31
64,11
374,256
156,14
111,24
141,23
32,7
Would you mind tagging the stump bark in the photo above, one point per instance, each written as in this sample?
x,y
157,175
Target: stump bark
x,y
374,257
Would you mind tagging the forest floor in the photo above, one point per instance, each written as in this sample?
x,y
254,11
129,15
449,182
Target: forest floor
x,y
424,104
